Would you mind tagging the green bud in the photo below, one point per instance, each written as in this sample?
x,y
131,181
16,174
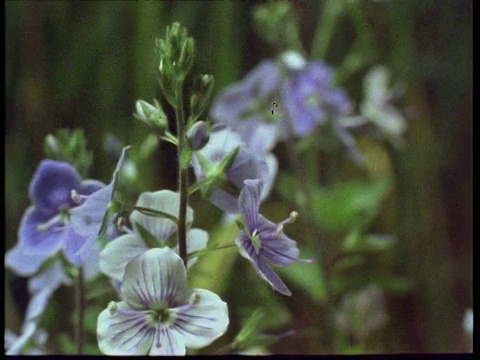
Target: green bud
x,y
202,90
151,115
185,60
198,135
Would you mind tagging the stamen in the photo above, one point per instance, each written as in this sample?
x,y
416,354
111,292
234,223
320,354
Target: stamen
x,y
50,223
78,198
293,216
194,299
112,307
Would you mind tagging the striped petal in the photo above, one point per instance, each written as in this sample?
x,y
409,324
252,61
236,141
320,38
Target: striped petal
x,y
125,331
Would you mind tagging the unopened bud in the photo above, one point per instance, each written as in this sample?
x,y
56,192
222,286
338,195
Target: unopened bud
x,y
198,136
151,115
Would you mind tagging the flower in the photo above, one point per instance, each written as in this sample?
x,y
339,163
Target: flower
x,y
148,231
261,241
208,163
44,228
40,287
159,314
88,218
378,108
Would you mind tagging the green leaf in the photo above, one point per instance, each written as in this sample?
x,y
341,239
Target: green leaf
x,y
149,239
338,208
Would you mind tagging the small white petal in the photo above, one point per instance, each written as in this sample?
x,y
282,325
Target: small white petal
x,y
204,321
166,201
125,333
197,240
157,278
117,253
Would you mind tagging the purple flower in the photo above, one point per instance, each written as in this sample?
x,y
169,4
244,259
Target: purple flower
x,y
159,314
44,228
247,164
261,241
310,98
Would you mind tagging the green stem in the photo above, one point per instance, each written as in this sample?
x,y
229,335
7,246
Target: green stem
x,y
80,308
182,176
330,12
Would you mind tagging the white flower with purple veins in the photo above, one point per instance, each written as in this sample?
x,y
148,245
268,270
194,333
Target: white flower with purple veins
x,y
248,164
263,242
148,231
45,227
159,314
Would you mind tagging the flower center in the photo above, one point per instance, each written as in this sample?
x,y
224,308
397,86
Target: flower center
x,y
256,241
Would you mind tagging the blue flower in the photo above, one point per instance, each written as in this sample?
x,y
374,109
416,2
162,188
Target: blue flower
x,y
117,253
44,228
311,99
159,314
263,242
248,164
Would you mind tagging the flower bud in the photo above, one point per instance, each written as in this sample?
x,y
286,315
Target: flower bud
x,y
198,135
151,115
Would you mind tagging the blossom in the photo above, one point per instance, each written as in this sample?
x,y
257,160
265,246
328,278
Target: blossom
x,y
44,228
149,231
159,314
226,184
41,287
378,108
261,241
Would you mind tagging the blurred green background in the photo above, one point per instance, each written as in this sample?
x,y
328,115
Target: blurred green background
x,y
84,64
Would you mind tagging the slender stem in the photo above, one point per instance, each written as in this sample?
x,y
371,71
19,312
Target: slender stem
x,y
80,308
182,177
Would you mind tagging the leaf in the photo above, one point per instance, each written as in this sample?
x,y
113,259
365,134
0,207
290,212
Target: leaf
x,y
338,208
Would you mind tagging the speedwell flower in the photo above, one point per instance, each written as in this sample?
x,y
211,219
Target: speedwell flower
x,y
159,314
149,231
261,241
225,184
44,228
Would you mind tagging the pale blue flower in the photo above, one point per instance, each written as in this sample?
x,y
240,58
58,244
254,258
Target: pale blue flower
x,y
117,253
159,314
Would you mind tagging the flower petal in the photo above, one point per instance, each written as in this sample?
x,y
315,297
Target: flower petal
x,y
249,202
51,279
73,243
23,263
125,332
86,219
46,242
262,268
52,184
157,278
197,240
204,321
117,253
168,342
166,201
90,186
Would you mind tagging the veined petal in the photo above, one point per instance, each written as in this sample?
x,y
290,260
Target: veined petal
x,y
164,200
49,279
117,253
262,268
249,202
247,165
168,342
156,279
52,184
46,242
125,331
204,321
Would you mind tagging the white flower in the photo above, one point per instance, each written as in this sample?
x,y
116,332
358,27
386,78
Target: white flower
x,y
117,253
159,314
